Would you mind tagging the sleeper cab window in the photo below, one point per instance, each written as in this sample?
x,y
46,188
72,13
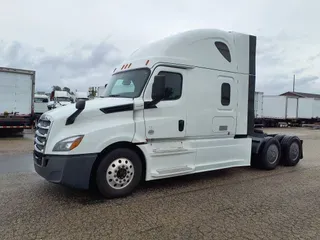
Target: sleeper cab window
x,y
225,94
224,50
173,89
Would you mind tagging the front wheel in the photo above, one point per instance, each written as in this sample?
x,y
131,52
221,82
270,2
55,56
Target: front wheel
x,y
119,173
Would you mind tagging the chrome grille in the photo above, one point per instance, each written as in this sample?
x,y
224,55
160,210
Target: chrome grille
x,y
41,135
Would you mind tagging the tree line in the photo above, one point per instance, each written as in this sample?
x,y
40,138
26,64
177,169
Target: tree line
x,y
57,88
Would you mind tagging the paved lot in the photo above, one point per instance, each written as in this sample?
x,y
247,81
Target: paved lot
x,y
241,203
10,145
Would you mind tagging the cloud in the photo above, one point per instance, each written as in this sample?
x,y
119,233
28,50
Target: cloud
x,y
79,48
86,57
300,70
82,64
309,79
78,66
311,58
306,83
280,57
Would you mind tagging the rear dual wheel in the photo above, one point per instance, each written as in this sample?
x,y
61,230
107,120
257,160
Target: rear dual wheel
x,y
291,150
270,155
280,149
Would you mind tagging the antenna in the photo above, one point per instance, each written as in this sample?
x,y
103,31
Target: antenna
x,y
294,82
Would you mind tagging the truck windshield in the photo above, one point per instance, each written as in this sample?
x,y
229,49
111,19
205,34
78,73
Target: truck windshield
x,y
127,84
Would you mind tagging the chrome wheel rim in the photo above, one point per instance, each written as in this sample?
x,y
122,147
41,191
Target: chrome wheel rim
x,y
120,173
272,154
294,151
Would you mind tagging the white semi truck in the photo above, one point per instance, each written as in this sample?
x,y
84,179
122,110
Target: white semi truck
x,y
16,99
40,104
100,91
59,99
191,110
81,96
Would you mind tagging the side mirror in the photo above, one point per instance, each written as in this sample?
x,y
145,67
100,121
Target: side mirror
x,y
158,88
81,104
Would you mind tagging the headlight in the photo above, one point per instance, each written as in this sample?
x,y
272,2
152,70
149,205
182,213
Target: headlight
x,y
68,144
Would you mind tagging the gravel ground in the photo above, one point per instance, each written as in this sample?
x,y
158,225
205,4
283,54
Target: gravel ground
x,y
239,203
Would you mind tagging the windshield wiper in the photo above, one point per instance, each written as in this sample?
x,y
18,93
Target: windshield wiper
x,y
114,95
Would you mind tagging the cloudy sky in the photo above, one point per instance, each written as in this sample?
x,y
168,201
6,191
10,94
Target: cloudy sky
x,y
77,43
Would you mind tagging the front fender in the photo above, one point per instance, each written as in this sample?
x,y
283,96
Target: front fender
x,y
98,133
113,140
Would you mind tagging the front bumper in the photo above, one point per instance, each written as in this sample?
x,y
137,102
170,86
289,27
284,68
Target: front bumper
x,y
69,170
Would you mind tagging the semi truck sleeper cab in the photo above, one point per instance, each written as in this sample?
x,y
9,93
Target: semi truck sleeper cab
x,y
180,105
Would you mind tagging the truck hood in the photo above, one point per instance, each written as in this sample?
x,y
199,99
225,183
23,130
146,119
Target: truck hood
x,y
92,108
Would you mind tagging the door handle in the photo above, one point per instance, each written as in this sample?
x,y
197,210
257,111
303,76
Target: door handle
x,y
181,125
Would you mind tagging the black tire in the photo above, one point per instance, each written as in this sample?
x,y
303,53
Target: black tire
x,y
270,154
291,150
129,160
279,137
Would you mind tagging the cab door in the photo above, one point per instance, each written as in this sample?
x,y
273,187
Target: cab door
x,y
168,119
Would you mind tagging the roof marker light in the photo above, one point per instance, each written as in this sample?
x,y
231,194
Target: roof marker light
x,y
147,62
129,65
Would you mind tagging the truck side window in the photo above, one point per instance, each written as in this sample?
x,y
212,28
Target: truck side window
x,y
173,85
225,94
224,50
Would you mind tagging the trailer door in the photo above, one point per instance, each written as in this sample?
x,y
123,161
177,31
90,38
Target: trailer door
x,y
292,108
316,108
7,90
24,94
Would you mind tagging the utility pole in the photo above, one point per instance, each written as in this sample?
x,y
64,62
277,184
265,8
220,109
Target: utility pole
x,y
294,82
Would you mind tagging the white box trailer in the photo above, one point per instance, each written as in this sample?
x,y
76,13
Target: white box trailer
x,y
288,109
274,107
278,110
16,99
280,107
